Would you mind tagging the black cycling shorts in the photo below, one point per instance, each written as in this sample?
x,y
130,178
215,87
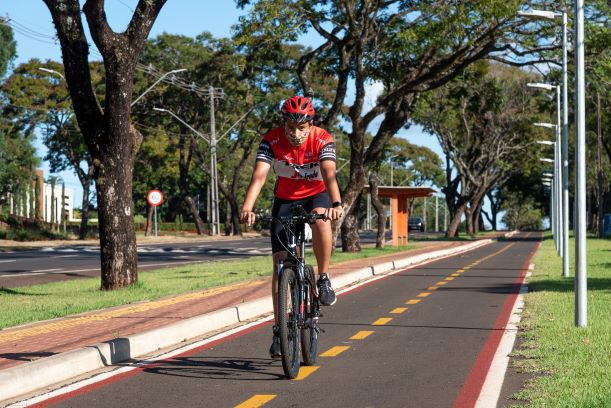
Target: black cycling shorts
x,y
283,208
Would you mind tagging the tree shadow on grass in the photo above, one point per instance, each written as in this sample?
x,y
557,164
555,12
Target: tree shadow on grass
x,y
568,285
8,291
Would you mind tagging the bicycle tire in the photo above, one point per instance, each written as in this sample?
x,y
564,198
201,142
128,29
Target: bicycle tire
x,y
309,335
288,310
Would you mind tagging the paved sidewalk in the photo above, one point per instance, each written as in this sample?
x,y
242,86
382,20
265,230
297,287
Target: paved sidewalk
x,y
38,355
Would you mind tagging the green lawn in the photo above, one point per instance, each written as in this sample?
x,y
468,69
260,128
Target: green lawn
x,y
41,302
572,365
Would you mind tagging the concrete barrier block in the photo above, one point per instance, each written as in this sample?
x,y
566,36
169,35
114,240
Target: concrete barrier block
x,y
348,279
254,308
383,268
153,340
42,373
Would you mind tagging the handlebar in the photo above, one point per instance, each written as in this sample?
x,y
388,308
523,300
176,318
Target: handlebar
x,y
291,218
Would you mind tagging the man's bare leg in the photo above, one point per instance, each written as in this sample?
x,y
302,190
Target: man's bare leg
x,y
322,242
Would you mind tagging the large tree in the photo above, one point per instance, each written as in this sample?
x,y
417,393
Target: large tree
x,y
111,138
17,153
41,98
408,46
8,46
483,122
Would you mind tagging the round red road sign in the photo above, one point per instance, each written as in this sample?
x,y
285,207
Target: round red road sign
x,y
154,197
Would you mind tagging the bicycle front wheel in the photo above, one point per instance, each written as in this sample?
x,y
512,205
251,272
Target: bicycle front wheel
x,y
309,333
288,312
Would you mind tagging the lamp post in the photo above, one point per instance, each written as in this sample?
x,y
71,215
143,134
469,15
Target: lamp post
x,y
559,237
214,199
52,71
553,218
579,224
161,78
563,181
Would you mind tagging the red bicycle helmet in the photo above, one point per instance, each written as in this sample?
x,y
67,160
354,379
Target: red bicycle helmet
x,y
298,109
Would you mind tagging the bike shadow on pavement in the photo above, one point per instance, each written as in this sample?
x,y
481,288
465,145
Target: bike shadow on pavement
x,y
220,368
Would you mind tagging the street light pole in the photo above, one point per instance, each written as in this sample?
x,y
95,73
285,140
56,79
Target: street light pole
x,y
565,129
581,317
565,149
161,78
215,192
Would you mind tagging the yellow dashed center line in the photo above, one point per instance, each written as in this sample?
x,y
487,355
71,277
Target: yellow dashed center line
x,y
461,270
362,335
257,401
455,274
423,294
449,278
305,371
398,310
333,352
432,288
382,321
441,283
412,301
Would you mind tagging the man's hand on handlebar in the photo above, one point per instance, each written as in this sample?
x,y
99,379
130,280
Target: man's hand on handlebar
x,y
248,217
334,213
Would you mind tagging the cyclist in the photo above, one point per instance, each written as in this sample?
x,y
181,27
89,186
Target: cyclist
x,y
303,157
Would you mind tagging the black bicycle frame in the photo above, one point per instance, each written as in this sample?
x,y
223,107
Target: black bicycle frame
x,y
297,261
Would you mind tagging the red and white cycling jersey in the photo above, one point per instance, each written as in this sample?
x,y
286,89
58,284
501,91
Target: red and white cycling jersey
x,y
297,168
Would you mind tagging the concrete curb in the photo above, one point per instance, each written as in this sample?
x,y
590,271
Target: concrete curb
x,y
29,377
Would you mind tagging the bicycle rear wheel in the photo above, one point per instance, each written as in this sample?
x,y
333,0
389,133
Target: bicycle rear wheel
x,y
309,334
288,310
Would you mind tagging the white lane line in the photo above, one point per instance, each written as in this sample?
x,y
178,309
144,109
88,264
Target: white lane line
x,y
47,270
8,260
65,256
491,389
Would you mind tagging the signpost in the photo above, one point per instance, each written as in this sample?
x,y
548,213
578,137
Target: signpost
x,y
155,198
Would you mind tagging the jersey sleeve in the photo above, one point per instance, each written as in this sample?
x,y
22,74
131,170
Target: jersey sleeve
x,y
265,152
327,152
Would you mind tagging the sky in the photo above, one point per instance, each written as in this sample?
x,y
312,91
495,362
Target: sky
x,y
35,39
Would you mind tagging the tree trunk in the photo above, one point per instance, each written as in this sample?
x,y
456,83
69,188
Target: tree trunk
x,y
234,213
150,210
379,207
350,231
82,232
119,256
199,224
455,223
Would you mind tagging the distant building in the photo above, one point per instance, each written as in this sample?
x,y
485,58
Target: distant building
x,y
44,201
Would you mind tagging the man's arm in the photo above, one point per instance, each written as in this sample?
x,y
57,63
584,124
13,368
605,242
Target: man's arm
x,y
327,169
259,175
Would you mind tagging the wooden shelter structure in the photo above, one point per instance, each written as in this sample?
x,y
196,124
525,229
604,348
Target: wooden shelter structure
x,y
399,212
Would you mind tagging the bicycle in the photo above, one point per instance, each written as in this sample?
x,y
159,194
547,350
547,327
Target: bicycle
x,y
298,304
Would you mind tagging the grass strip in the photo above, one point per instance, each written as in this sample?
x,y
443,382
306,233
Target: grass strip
x,y
572,365
41,302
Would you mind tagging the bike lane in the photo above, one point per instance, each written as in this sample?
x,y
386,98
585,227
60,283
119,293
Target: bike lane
x,y
419,337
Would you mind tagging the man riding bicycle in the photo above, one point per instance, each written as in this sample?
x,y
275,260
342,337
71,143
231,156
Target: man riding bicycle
x,y
303,157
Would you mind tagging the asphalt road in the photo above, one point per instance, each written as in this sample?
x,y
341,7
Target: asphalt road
x,y
421,356
51,264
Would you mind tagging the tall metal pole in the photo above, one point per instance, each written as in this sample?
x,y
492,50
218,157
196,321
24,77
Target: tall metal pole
x,y
426,228
581,306
214,176
565,149
558,153
436,213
